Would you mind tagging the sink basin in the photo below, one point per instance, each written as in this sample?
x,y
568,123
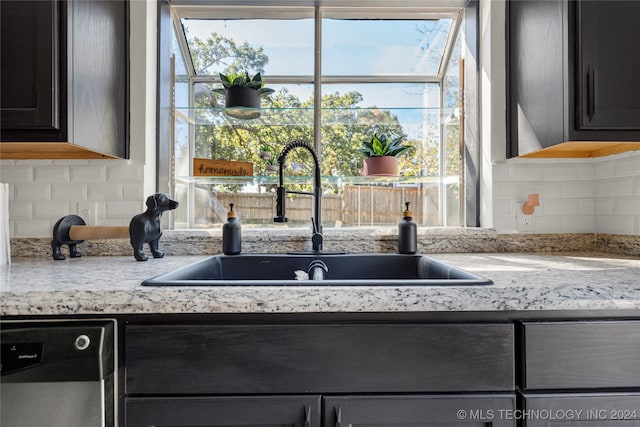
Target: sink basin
x,y
342,270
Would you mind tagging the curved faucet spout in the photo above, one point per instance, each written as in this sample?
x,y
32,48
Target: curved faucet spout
x,y
317,192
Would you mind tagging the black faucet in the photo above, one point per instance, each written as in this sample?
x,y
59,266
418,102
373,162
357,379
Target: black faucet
x,y
316,221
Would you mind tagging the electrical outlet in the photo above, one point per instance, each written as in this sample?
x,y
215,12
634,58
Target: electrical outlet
x,y
525,222
88,211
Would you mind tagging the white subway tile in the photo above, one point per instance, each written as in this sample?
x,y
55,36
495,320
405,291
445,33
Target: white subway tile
x,y
579,189
547,224
69,192
70,162
32,192
544,189
125,173
16,174
626,206
32,228
133,192
525,172
560,206
92,173
51,174
105,192
614,187
604,206
586,171
636,185
561,172
115,222
502,207
20,210
510,190
637,231
51,210
505,224
604,169
629,166
123,209
579,224
615,224
586,206
34,162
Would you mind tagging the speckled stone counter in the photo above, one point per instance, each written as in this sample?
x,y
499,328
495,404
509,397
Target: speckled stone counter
x,y
378,239
522,282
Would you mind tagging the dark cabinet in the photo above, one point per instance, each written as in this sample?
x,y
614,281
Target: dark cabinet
x,y
581,354
583,362
572,73
238,411
64,76
581,410
427,411
32,70
328,358
608,61
429,374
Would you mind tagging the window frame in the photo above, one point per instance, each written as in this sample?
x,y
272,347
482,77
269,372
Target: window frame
x,y
460,21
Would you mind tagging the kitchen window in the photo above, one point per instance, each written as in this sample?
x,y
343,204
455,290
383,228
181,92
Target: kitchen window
x,y
340,75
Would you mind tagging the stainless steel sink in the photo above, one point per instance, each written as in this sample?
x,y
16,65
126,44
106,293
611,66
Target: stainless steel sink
x,y
341,270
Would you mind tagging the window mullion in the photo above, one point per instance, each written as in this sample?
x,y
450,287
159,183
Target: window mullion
x,y
317,84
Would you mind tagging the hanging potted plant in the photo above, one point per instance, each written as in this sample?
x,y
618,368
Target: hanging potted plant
x,y
241,92
265,152
271,167
382,154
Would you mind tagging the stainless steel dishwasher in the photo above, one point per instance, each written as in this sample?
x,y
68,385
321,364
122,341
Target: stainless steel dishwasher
x,y
58,374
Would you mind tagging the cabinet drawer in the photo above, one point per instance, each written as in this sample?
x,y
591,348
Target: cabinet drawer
x,y
223,411
581,409
450,410
225,359
583,354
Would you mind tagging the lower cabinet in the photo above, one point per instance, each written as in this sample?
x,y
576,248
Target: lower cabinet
x,y
325,374
223,411
338,411
424,411
581,410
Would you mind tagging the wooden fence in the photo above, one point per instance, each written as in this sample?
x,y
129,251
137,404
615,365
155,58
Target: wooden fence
x,y
358,205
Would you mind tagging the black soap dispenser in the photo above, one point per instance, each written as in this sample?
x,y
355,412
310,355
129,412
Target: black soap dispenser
x,y
231,237
407,233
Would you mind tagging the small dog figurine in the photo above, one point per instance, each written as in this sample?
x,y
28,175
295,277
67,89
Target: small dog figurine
x,y
145,227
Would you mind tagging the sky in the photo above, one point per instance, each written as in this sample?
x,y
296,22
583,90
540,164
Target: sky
x,y
350,48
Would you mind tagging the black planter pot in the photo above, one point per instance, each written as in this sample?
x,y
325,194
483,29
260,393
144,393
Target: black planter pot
x,y
242,102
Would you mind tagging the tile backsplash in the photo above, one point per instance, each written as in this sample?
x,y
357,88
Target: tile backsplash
x,y
576,195
600,195
102,192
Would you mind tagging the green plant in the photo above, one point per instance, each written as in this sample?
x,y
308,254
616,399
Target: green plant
x,y
243,80
265,148
384,146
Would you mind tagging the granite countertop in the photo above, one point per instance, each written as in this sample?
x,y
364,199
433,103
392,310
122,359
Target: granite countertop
x,y
522,282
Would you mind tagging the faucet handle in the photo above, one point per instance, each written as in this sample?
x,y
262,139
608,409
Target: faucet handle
x,y
281,194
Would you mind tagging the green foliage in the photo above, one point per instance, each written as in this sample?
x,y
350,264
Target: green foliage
x,y
384,146
243,80
218,52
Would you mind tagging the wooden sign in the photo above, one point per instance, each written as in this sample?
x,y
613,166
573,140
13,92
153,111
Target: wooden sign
x,y
216,167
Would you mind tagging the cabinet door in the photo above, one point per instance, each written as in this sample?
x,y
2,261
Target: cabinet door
x,y
581,410
537,63
31,70
302,411
609,65
423,411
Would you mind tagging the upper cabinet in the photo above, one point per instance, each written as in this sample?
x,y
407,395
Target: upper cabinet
x,y
64,79
572,70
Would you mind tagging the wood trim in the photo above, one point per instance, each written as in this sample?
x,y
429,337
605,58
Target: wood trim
x,y
583,149
47,151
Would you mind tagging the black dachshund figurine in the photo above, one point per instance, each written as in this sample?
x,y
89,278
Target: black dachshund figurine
x,y
145,227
